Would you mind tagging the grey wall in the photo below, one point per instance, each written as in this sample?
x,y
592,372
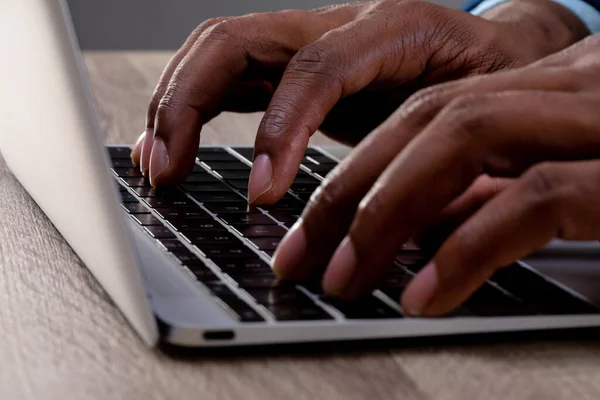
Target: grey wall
x,y
164,24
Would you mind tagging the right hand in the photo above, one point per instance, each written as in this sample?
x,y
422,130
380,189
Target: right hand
x,y
344,68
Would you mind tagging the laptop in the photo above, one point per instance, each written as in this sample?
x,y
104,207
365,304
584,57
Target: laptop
x,y
189,265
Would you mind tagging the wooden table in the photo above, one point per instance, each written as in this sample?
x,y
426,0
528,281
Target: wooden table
x,y
61,338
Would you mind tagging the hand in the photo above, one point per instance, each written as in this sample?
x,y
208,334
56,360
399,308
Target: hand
x,y
345,68
502,163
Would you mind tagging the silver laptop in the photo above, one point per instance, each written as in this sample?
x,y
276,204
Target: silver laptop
x,y
189,265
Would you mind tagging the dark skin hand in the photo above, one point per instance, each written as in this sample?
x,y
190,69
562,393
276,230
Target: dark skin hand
x,y
501,163
344,69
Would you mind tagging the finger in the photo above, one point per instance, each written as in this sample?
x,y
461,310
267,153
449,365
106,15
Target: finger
x,y
551,200
328,216
498,133
137,154
205,77
481,191
340,63
579,54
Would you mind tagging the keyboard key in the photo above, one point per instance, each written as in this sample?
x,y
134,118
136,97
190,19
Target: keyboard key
x,y
206,238
135,208
203,273
243,265
235,175
539,293
266,243
197,225
174,246
314,286
368,307
278,295
320,159
128,172
255,280
296,312
216,156
136,182
287,205
304,188
321,168
187,258
221,290
206,150
285,216
161,232
306,180
171,193
127,197
218,197
246,152
244,219
215,186
122,163
203,177
234,303
119,152
227,165
490,301
215,252
146,220
243,310
252,231
200,169
164,202
173,213
240,184
237,207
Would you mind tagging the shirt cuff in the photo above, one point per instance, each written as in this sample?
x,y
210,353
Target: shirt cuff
x,y
585,12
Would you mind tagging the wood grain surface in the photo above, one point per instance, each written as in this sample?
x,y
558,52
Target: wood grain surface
x,y
61,338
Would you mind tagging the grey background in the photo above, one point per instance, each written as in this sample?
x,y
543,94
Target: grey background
x,y
164,24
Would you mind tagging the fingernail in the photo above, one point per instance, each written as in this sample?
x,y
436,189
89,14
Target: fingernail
x,y
341,269
421,290
159,160
290,251
146,151
261,177
137,149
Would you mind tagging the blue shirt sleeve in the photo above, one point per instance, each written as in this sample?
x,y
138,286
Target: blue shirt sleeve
x,y
471,4
588,11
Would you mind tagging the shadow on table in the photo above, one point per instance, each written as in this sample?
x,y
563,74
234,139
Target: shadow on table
x,y
580,336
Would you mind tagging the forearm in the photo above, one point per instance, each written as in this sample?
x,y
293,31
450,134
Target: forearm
x,y
547,25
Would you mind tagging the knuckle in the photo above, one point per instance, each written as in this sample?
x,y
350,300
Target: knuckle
x,y
323,198
275,121
327,203
544,187
223,30
371,206
466,116
421,107
207,24
315,59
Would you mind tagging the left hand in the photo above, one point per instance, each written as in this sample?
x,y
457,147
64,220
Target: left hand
x,y
504,163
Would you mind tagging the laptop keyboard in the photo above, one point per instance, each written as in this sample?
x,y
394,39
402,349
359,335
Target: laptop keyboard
x,y
206,225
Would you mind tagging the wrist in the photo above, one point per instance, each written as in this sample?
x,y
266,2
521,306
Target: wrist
x,y
543,26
